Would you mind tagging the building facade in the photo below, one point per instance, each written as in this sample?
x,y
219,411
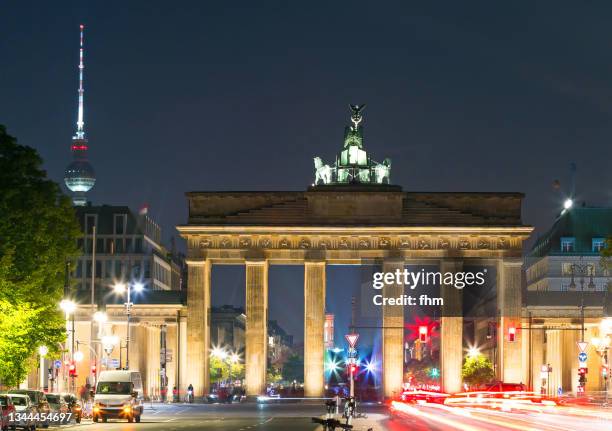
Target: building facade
x,y
566,299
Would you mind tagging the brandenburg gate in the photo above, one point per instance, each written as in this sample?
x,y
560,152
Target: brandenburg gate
x,y
350,216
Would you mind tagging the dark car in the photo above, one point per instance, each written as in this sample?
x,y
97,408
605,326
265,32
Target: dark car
x,y
7,408
74,407
58,405
39,400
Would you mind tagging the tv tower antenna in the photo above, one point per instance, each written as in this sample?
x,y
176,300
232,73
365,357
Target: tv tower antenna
x,y
80,133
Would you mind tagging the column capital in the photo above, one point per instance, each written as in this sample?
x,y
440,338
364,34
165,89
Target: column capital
x,y
255,261
197,262
512,261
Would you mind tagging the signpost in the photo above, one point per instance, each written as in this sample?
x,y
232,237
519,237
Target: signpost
x,y
582,357
352,340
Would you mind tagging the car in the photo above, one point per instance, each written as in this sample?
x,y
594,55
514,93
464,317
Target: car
x,y
58,405
74,406
7,409
39,400
24,408
118,395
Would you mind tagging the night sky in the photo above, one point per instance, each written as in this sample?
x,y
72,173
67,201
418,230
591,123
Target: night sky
x,y
181,96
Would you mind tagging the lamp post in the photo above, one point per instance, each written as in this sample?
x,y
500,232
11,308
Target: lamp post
x,y
69,307
582,270
42,351
122,288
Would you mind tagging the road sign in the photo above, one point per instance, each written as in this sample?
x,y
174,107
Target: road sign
x,y
582,345
582,357
352,353
114,363
352,339
57,364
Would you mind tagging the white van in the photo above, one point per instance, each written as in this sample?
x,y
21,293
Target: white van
x,y
118,395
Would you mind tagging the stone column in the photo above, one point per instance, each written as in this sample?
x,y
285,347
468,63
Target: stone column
x,y
171,367
198,326
451,330
537,357
509,303
314,321
256,338
393,334
182,372
554,357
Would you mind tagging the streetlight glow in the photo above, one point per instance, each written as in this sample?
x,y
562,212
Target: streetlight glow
x,y
138,286
43,350
67,306
119,287
473,352
100,317
78,356
568,203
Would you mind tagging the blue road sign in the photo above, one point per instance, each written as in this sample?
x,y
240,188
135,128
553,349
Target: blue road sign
x,y
57,364
582,357
114,363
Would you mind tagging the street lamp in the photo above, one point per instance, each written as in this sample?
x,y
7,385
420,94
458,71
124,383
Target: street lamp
x,y
78,356
121,288
42,351
69,307
473,352
108,344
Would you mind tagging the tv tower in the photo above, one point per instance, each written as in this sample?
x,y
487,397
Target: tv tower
x,y
80,176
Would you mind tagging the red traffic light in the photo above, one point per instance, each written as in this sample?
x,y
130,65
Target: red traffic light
x,y
423,332
582,371
511,334
72,370
93,369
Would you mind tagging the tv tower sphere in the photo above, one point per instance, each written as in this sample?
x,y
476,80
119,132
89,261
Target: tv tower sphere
x,y
80,176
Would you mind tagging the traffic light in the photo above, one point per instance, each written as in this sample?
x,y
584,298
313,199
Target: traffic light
x,y
604,371
353,369
582,371
511,334
72,370
423,334
93,369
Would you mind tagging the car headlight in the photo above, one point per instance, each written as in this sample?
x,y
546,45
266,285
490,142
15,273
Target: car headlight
x,y
127,408
96,408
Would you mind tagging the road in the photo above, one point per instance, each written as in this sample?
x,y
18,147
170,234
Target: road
x,y
413,417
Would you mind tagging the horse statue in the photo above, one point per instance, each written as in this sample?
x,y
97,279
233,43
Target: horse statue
x,y
323,172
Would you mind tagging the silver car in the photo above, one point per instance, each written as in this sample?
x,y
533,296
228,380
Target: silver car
x,y
23,409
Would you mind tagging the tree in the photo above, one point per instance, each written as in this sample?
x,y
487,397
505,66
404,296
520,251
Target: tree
x,y
222,369
39,230
294,369
477,370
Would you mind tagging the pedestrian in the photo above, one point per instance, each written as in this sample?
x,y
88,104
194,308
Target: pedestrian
x,y
190,393
175,394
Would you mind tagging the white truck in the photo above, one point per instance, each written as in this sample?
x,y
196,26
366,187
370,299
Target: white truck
x,y
118,395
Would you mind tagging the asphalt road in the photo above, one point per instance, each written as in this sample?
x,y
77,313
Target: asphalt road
x,y
235,417
284,417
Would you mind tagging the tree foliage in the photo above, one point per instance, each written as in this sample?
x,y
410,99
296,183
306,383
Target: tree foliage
x,y
38,232
477,370
225,370
293,369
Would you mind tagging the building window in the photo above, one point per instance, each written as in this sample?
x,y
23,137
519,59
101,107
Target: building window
x,y
119,224
90,222
99,245
79,269
598,244
109,269
128,245
118,245
138,245
568,244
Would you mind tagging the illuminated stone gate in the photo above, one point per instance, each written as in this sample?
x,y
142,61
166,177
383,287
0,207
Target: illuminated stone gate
x,y
350,218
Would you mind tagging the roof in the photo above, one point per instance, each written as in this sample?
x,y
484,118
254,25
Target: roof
x,y
351,205
581,223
